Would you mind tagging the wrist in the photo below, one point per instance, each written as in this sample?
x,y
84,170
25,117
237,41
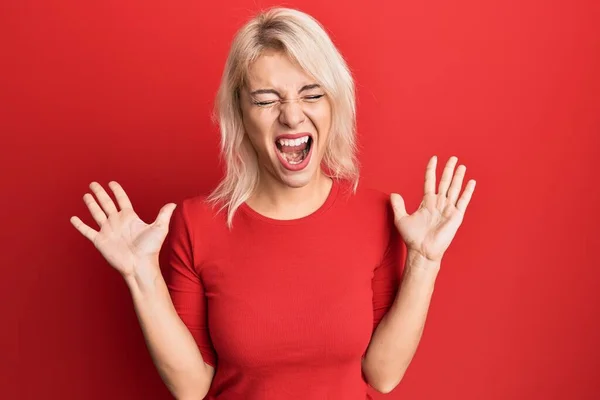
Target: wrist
x,y
144,277
416,260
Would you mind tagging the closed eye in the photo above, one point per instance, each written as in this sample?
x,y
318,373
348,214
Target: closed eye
x,y
267,103
313,97
264,103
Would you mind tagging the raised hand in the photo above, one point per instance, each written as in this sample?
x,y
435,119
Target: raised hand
x,y
125,241
430,229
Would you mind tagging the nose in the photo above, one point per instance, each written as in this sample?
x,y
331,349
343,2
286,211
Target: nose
x,y
291,114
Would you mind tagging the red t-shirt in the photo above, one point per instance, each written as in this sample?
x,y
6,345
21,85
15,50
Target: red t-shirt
x,y
285,309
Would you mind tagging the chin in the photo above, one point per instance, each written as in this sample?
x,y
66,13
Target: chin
x,y
296,181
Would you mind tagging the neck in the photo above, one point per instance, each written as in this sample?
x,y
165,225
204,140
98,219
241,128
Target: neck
x,y
276,200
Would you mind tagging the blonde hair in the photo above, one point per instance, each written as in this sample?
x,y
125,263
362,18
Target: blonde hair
x,y
305,41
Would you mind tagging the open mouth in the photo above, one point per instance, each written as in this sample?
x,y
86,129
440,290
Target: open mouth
x,y
294,153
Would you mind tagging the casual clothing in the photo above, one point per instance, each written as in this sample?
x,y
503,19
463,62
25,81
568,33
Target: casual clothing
x,y
285,309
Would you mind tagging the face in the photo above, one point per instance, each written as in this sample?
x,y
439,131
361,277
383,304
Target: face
x,y
287,118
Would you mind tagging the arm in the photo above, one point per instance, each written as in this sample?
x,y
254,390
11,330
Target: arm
x,y
169,341
427,233
174,326
397,336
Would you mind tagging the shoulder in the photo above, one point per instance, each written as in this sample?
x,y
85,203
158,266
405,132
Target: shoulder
x,y
201,214
372,194
367,199
368,213
197,206
201,222
368,206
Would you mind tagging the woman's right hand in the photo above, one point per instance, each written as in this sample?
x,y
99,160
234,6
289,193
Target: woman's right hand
x,y
128,244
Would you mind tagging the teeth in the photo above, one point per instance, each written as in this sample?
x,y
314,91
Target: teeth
x,y
293,142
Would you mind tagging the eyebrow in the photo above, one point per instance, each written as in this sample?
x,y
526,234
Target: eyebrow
x,y
273,91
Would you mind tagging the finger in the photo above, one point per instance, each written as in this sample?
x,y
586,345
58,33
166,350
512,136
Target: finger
x,y
105,201
398,205
430,176
464,200
83,228
447,176
456,185
97,213
164,215
122,198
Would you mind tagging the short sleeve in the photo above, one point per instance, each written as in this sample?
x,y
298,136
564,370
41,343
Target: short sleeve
x,y
387,274
184,283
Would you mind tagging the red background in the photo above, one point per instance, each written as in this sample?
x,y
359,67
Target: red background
x,y
123,89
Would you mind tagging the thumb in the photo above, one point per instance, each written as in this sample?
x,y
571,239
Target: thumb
x,y
398,205
164,215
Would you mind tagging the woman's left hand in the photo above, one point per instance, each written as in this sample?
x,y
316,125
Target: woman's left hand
x,y
429,230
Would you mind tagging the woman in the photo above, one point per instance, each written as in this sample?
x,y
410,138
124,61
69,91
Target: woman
x,y
285,282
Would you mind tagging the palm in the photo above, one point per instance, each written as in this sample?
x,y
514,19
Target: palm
x,y
431,228
124,239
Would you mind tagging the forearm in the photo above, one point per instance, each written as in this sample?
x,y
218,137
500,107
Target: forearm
x,y
397,336
170,343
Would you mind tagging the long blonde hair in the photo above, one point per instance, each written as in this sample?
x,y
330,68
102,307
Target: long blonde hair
x,y
305,41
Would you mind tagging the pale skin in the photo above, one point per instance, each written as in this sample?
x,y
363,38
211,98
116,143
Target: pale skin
x,y
131,246
264,118
427,233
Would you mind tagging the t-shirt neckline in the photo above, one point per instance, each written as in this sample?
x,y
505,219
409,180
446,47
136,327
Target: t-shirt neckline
x,y
333,191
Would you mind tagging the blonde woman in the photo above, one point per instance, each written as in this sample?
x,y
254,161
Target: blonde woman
x,y
285,282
